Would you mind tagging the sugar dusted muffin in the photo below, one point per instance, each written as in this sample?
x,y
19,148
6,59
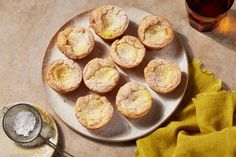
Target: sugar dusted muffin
x,y
133,100
162,75
109,21
101,75
93,111
127,52
155,32
75,42
64,75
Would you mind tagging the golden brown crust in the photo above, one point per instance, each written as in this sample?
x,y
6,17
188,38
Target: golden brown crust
x,y
127,52
75,42
155,32
109,21
101,75
133,100
162,75
64,75
93,111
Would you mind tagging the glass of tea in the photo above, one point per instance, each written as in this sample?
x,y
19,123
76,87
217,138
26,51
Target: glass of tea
x,y
204,15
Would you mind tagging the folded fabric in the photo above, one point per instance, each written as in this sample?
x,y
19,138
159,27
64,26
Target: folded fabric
x,y
201,127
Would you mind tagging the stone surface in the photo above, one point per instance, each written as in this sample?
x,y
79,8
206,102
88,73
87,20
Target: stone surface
x,y
26,28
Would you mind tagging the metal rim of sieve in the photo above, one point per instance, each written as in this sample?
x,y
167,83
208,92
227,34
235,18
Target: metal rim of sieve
x,y
35,112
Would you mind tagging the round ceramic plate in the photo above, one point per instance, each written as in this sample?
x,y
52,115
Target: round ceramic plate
x,y
34,148
119,129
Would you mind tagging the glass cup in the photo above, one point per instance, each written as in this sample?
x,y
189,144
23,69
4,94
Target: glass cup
x,y
204,15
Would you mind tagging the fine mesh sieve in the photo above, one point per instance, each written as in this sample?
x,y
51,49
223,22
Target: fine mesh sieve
x,y
7,123
9,116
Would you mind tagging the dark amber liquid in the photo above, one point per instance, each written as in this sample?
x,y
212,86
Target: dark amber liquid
x,y
205,14
209,8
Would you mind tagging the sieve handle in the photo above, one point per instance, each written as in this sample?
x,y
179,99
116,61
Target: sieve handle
x,y
56,148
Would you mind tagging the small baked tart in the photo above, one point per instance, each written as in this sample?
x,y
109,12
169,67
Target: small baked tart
x,y
155,32
93,111
162,75
127,52
133,100
101,75
75,42
109,21
64,75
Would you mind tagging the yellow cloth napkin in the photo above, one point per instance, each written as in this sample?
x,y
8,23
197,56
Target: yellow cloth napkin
x,y
201,127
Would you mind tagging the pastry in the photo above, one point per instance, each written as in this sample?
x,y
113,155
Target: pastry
x,y
162,75
75,42
64,75
133,100
109,21
100,75
93,111
155,32
127,52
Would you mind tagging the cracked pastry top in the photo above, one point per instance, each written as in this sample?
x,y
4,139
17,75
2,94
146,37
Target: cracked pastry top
x,y
133,100
109,21
101,75
162,75
64,75
75,42
155,32
127,52
93,111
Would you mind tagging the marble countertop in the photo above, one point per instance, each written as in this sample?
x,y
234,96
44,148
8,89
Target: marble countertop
x,y
27,27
